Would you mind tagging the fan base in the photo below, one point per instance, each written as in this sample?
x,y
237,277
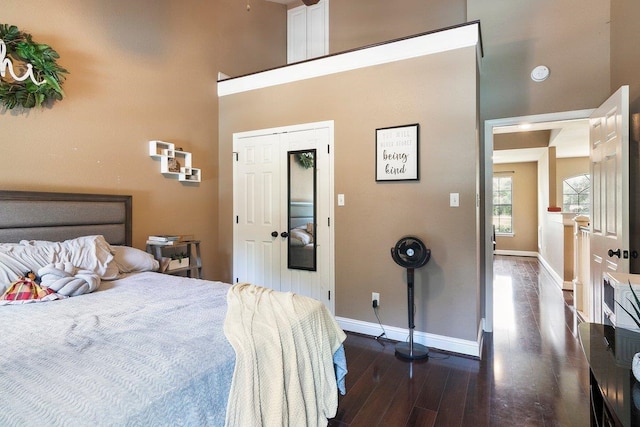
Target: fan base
x,y
403,350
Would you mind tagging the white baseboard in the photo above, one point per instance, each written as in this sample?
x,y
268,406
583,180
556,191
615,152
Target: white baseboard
x,y
515,253
565,286
555,276
454,345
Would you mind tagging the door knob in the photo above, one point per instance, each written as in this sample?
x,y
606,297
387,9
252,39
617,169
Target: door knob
x,y
274,234
284,234
612,253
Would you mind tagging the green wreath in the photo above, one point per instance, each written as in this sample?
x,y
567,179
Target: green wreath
x,y
305,160
35,61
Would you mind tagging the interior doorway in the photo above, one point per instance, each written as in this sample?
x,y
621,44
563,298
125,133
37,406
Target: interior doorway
x,y
492,128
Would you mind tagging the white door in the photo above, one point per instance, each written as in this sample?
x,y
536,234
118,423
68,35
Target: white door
x,y
609,153
256,198
308,32
262,210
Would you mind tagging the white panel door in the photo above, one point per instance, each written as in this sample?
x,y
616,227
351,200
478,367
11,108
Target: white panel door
x,y
318,29
308,32
316,284
296,34
609,153
256,199
261,200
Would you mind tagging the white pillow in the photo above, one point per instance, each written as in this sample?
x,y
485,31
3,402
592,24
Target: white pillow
x,y
10,269
300,237
27,258
130,260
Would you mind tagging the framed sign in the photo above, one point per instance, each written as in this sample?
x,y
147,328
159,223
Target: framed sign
x,y
397,153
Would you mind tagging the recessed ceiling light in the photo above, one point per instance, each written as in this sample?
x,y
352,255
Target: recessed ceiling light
x,y
540,73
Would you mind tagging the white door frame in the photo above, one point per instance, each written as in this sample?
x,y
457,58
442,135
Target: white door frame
x,y
330,125
489,126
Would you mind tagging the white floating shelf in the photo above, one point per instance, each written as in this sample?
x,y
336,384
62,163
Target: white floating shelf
x,y
190,175
174,163
158,149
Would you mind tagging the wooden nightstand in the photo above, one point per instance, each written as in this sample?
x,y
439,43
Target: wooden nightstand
x,y
192,250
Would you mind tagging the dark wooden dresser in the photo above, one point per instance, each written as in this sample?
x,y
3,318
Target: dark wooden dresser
x,y
615,394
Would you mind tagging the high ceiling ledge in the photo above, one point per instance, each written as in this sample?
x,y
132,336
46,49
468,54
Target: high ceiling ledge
x,y
461,36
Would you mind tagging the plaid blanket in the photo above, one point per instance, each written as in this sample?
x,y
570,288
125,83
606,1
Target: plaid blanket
x,y
25,290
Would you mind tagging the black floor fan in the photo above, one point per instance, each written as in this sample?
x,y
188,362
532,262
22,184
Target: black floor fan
x,y
411,253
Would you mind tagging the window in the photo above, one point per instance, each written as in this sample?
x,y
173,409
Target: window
x,y
576,194
503,204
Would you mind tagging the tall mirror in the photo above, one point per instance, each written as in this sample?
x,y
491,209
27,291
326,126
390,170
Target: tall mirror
x,y
302,210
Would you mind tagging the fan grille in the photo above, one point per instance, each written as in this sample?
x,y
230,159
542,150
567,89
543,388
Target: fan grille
x,y
410,252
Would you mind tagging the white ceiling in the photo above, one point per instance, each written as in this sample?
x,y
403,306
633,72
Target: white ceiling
x,y
570,137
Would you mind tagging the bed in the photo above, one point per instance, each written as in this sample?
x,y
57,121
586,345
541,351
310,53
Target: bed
x,y
302,235
146,348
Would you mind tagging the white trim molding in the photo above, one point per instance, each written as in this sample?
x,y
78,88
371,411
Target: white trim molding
x,y
466,35
440,342
555,276
515,253
562,284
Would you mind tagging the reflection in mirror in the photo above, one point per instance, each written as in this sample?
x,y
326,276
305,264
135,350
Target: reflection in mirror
x,y
302,210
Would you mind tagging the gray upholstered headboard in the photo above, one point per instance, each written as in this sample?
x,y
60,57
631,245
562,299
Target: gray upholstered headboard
x,y
300,213
29,215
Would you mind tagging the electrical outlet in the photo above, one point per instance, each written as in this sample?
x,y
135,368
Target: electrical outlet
x,y
375,296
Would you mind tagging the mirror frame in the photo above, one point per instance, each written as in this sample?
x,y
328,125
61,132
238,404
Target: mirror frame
x,y
294,160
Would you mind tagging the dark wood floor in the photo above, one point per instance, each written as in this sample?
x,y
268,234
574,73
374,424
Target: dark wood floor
x,y
532,371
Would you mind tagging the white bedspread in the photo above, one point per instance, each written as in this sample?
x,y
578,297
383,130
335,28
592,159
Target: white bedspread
x,y
147,350
284,346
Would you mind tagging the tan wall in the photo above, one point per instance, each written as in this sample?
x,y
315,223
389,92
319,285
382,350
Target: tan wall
x,y
139,70
525,207
359,23
625,61
574,43
439,93
571,39
525,139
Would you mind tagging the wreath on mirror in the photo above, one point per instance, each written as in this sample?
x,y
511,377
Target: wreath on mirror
x,y
29,73
305,160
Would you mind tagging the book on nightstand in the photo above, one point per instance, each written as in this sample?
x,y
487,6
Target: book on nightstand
x,y
169,239
162,243
162,238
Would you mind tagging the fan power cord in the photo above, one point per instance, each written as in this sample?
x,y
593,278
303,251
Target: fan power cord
x,y
375,311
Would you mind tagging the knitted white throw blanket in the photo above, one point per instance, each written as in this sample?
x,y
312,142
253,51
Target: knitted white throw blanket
x,y
68,280
284,345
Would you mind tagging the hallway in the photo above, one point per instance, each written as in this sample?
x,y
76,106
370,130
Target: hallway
x,y
540,374
532,372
